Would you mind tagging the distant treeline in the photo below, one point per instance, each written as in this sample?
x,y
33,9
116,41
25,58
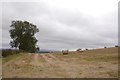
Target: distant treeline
x,y
8,52
47,51
44,52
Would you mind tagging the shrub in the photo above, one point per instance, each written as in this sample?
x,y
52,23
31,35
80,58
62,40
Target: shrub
x,y
78,50
105,47
116,46
8,52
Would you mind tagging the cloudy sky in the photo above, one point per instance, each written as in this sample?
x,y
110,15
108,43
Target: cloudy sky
x,y
65,24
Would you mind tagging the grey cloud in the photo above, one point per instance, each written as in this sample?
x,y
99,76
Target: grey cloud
x,y
62,29
73,18
26,8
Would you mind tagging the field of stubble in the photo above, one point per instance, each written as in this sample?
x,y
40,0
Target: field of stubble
x,y
98,63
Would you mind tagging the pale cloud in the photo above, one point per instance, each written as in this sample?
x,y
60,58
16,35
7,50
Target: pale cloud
x,y
66,24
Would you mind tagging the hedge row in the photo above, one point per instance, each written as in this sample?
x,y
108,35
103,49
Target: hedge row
x,y
8,52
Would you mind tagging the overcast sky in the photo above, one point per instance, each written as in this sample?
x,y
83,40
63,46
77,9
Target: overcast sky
x,y
65,24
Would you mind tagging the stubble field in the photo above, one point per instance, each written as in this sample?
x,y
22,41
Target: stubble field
x,y
98,63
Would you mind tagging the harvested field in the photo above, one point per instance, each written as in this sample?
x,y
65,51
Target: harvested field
x,y
98,63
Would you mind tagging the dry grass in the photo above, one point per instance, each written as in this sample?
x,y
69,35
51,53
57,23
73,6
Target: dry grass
x,y
0,67
99,63
6,59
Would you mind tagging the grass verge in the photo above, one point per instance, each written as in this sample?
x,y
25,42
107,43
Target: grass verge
x,y
8,58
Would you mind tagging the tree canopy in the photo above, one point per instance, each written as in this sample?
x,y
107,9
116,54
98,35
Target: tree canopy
x,y
22,34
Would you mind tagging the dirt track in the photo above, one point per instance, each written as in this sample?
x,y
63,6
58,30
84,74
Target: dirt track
x,y
54,66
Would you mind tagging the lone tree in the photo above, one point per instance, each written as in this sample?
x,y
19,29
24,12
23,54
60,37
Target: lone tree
x,y
22,33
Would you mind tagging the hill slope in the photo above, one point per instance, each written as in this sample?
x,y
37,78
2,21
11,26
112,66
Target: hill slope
x,y
99,63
